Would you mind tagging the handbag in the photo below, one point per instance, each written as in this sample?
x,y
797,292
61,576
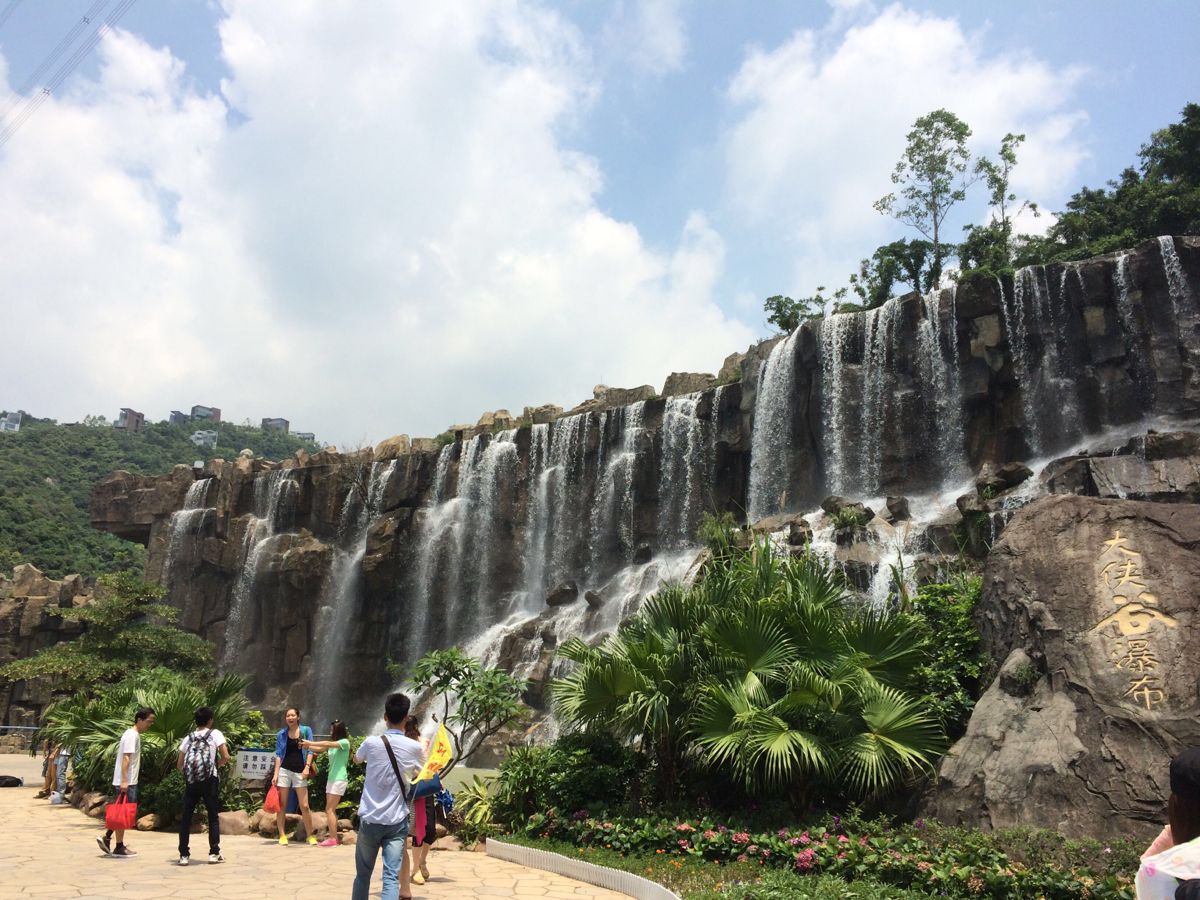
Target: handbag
x,y
427,787
271,801
121,814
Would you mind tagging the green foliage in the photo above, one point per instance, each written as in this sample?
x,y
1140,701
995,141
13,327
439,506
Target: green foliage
x,y
871,859
1025,676
47,472
476,702
475,802
988,249
1160,196
786,314
127,629
446,437
93,726
766,676
581,771
849,517
932,176
950,678
717,532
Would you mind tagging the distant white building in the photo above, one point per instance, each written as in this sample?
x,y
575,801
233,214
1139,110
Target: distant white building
x,y
305,436
10,421
204,438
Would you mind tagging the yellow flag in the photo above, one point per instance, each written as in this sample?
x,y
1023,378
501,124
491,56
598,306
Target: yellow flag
x,y
440,755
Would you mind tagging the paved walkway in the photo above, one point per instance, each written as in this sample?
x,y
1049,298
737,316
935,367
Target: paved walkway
x,y
50,851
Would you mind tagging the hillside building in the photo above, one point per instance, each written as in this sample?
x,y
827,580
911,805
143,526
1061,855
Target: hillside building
x,y
211,413
204,438
179,418
275,425
11,421
305,436
130,420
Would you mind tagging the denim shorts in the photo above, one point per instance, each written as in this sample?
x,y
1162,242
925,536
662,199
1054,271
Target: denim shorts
x,y
289,779
131,794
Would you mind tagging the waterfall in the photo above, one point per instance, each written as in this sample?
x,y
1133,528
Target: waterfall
x,y
770,460
943,380
878,368
836,333
492,469
274,501
1177,283
340,593
183,525
683,468
615,500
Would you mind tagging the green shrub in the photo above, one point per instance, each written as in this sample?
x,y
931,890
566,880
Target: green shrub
x,y
849,517
774,885
951,676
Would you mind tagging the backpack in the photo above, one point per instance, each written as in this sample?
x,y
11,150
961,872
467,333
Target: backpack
x,y
198,761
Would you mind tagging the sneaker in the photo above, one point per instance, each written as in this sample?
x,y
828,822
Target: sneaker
x,y
123,851
214,858
328,842
312,839
105,844
283,841
184,860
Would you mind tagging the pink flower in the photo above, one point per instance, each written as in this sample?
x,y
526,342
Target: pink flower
x,y
923,866
842,839
804,860
794,841
684,826
709,834
842,855
753,848
683,843
805,839
741,837
862,841
741,857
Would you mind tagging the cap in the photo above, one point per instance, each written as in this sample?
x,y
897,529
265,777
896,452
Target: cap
x,y
1185,775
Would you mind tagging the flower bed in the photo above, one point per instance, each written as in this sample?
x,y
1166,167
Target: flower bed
x,y
931,858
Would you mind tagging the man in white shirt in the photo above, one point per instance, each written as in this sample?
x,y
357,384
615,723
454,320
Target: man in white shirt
x,y
199,755
125,776
383,810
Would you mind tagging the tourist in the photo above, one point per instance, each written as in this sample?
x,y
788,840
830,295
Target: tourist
x,y
60,772
422,818
335,783
383,811
293,768
125,777
49,756
1175,854
200,753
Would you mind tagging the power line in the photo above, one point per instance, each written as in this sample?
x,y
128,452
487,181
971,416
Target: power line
x,y
33,103
8,11
53,56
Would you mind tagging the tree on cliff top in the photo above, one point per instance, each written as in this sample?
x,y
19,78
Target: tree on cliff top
x,y
932,176
127,629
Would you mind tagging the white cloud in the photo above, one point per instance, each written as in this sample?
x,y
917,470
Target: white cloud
x,y
648,35
376,228
822,118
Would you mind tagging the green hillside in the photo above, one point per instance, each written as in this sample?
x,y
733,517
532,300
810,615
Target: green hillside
x,y
47,472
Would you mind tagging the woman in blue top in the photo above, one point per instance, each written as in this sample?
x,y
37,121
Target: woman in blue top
x,y
293,767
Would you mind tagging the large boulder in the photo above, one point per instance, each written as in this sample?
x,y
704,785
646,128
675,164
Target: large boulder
x,y
678,383
1101,596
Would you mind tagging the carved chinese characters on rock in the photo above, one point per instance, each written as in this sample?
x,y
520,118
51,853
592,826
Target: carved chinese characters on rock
x,y
1132,621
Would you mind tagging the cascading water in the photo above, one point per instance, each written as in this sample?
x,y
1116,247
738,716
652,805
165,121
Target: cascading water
x,y
1181,293
340,595
613,510
836,333
682,470
770,466
274,503
938,347
184,526
879,342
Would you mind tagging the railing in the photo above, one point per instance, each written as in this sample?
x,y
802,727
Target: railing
x,y
17,738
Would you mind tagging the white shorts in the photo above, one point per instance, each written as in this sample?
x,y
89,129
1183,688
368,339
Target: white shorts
x,y
289,779
336,787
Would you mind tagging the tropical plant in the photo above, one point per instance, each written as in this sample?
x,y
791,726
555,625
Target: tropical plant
x,y
93,725
765,672
951,676
477,702
849,517
786,314
475,802
127,629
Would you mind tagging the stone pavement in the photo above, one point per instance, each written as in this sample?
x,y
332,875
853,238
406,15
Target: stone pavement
x,y
50,851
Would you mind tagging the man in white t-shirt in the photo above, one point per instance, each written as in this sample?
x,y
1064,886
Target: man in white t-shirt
x,y
125,776
383,810
199,755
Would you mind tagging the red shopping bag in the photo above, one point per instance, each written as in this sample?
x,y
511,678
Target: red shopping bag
x,y
120,815
271,802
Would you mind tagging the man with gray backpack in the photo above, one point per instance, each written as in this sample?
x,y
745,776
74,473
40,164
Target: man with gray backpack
x,y
199,755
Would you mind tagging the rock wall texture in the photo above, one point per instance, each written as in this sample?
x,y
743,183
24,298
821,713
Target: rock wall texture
x,y
26,627
1091,604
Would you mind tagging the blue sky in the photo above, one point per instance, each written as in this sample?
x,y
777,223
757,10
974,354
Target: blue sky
x,y
373,218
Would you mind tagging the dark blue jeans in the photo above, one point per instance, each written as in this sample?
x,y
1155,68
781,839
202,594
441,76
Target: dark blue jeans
x,y
371,839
